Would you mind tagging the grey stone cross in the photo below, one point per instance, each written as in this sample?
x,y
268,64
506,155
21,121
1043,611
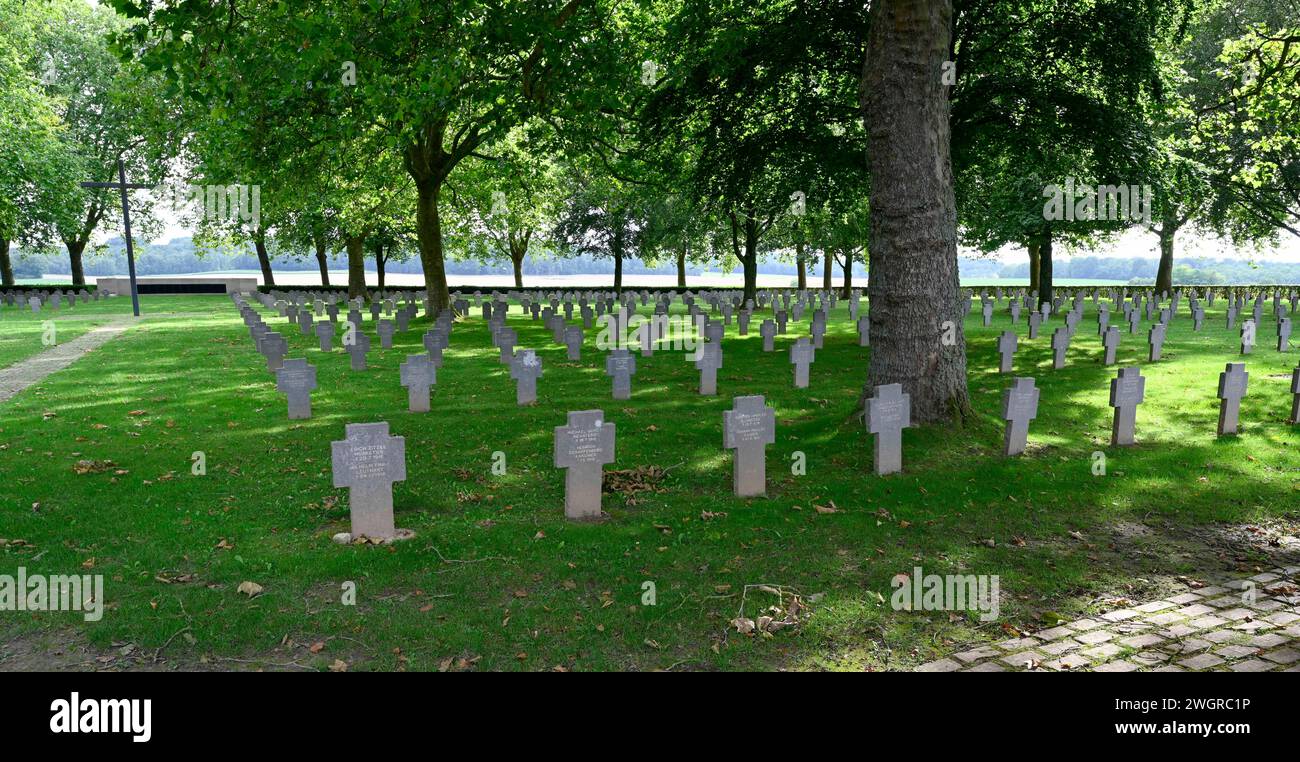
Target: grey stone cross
x,y
417,374
506,339
767,329
888,413
582,447
273,346
1019,407
1127,390
864,331
525,369
708,363
325,333
1060,343
573,342
358,348
802,354
1283,334
1247,336
620,364
385,330
296,379
1295,400
1111,342
1232,387
748,428
1156,341
368,461
1007,348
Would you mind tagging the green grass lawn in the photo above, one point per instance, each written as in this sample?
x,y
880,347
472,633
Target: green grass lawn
x,y
498,578
22,332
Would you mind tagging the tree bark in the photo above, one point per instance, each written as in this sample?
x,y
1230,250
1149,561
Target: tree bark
x,y
75,250
913,239
1045,269
828,263
355,246
6,265
264,259
517,260
322,261
1033,267
681,267
1165,271
801,265
616,249
428,225
379,264
848,273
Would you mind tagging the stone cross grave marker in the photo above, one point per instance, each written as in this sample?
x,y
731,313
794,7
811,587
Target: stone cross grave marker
x,y
525,369
1156,341
1295,400
767,329
1127,390
1283,334
1232,387
506,338
864,331
385,330
888,413
1035,321
1019,407
435,340
1247,336
583,447
325,334
1111,342
417,374
708,363
273,346
620,364
368,461
357,347
748,428
802,354
296,379
1007,349
573,342
1060,343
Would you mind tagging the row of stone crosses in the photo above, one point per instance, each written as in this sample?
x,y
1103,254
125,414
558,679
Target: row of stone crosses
x,y
368,460
297,379
38,300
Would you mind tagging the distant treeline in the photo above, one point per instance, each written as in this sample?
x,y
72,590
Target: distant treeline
x,y
179,256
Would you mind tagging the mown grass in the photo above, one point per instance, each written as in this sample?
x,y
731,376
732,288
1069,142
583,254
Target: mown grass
x,y
497,577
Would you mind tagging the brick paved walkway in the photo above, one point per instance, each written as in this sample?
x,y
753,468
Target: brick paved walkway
x,y
1212,628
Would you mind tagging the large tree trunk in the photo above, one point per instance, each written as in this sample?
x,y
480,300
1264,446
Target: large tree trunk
x,y
618,267
428,225
264,260
1165,272
1033,267
6,266
517,261
828,263
750,263
1045,269
801,265
681,267
75,250
355,246
848,273
913,242
380,261
322,260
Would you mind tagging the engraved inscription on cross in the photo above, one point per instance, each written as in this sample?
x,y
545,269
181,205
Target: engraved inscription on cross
x,y
583,447
748,428
368,461
888,413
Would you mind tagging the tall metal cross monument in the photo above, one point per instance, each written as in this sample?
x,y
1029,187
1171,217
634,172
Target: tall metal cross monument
x,y
123,186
